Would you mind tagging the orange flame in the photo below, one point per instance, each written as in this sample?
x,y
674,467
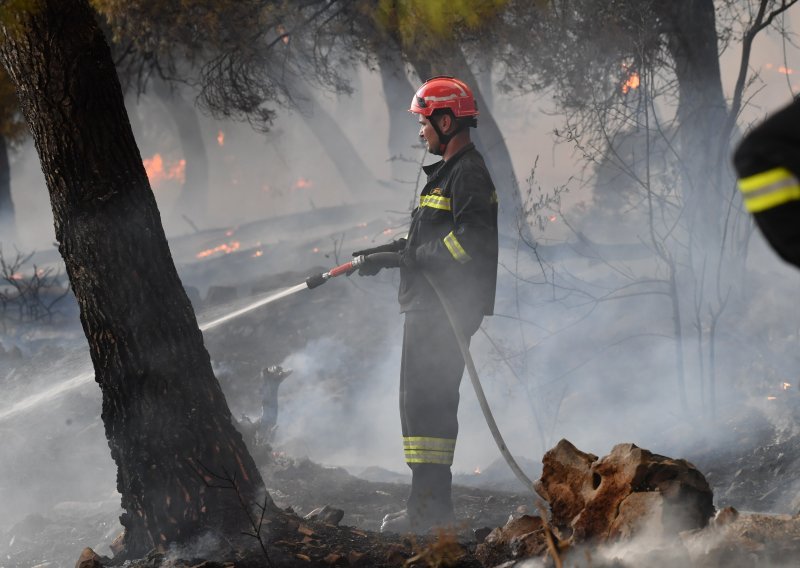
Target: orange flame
x,y
224,248
771,397
221,138
257,254
157,172
302,183
282,30
477,471
785,70
632,82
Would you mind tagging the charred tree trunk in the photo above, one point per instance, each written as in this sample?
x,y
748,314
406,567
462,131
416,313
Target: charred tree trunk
x,y
701,110
8,225
167,422
193,198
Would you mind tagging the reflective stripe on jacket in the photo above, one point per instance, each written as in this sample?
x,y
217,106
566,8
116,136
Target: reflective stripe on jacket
x,y
767,162
453,236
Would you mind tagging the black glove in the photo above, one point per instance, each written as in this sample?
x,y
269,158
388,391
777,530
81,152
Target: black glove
x,y
394,246
374,262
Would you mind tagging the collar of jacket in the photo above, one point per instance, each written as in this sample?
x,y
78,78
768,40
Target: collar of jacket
x,y
441,165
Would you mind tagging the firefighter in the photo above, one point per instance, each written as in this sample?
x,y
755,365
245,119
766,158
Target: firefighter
x,y
452,239
767,162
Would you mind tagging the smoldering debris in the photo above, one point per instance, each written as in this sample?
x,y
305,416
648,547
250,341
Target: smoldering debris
x,y
635,508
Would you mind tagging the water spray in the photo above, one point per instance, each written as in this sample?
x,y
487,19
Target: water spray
x,y
53,392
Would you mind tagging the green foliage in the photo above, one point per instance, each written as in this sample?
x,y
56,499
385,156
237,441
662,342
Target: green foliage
x,y
425,23
11,12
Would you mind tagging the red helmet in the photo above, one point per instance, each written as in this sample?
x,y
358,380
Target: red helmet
x,y
444,92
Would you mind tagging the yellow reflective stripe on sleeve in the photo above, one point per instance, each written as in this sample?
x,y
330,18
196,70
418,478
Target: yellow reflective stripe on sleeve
x,y
429,457
426,443
420,449
455,248
435,202
769,189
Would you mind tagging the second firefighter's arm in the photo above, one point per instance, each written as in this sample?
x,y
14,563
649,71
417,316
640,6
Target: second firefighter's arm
x,y
767,162
473,202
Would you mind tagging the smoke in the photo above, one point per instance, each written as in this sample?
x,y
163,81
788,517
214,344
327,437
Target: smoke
x,y
597,373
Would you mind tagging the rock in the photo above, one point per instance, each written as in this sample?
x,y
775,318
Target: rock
x,y
567,481
117,545
628,492
89,559
325,514
725,517
481,534
519,538
639,513
747,540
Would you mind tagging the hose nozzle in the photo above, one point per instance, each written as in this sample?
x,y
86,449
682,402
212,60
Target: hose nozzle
x,y
346,268
316,280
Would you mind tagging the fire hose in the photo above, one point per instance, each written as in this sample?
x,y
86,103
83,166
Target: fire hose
x,y
452,318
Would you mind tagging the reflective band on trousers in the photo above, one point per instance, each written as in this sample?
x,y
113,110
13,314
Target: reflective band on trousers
x,y
420,449
769,189
455,248
435,202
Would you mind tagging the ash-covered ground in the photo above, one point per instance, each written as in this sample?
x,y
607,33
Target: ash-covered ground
x,y
338,439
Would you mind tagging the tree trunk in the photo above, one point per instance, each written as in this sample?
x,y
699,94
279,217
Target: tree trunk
x,y
398,91
701,110
167,422
8,225
193,198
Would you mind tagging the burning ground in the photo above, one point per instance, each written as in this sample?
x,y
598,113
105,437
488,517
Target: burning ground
x,y
57,485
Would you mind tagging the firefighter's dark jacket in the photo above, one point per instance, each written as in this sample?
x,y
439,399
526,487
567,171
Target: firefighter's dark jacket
x,y
453,237
767,162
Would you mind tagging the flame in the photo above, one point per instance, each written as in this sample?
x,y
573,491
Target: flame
x,y
224,248
302,183
632,82
477,471
257,254
281,31
229,233
17,276
315,249
552,218
157,172
221,138
785,70
771,397
786,386
388,231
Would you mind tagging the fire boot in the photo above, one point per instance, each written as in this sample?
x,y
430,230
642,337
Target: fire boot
x,y
429,505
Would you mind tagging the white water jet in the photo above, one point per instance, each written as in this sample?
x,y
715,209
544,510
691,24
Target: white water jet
x,y
57,390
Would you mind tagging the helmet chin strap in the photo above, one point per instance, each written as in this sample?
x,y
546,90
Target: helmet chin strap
x,y
444,139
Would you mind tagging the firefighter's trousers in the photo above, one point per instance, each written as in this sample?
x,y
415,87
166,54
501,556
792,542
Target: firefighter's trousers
x,y
430,376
